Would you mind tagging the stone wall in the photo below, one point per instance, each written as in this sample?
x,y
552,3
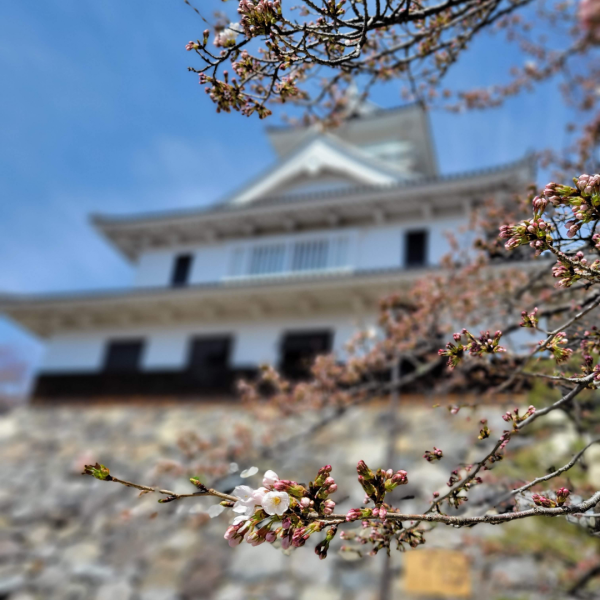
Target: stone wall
x,y
68,537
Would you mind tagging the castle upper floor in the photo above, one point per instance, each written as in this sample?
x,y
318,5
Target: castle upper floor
x,y
363,197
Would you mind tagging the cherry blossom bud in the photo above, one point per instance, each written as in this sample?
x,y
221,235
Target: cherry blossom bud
x,y
298,537
364,471
353,514
291,487
322,475
540,500
435,455
271,537
328,507
561,495
269,479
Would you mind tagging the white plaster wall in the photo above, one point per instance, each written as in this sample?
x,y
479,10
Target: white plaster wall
x,y
210,264
255,342
154,268
383,247
74,352
377,247
438,238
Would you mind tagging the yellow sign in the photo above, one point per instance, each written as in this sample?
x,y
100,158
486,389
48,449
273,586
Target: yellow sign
x,y
437,572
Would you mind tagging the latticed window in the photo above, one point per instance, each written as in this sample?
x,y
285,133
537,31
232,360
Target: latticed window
x,y
310,255
291,256
267,259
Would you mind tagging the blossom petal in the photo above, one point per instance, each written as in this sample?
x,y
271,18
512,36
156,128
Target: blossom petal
x,y
240,519
215,510
243,492
249,472
244,508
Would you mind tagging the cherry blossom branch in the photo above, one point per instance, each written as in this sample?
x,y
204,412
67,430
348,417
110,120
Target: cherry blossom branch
x,y
466,521
547,477
102,473
379,45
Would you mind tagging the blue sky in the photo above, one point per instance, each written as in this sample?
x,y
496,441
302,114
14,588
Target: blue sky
x,y
98,113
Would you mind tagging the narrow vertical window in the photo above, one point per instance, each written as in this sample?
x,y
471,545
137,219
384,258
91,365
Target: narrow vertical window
x,y
415,249
123,356
181,270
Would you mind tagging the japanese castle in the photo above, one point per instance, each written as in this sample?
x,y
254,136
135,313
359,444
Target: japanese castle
x,y
288,266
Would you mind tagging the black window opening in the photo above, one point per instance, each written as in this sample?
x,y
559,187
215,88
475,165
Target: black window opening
x,y
181,270
415,249
123,356
299,349
208,362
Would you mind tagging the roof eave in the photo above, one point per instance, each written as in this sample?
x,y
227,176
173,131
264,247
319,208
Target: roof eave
x,y
132,235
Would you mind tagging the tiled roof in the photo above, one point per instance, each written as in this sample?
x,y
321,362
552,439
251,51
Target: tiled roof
x,y
226,207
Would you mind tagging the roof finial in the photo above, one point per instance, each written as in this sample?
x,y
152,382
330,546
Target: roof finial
x,y
356,103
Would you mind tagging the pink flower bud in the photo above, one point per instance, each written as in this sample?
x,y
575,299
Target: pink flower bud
x,y
271,537
353,514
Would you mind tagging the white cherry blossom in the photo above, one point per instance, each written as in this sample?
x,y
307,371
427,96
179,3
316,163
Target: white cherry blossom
x,y
276,503
270,479
228,35
259,494
245,503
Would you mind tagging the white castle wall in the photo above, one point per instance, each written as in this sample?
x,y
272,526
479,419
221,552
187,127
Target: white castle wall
x,y
255,342
376,247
